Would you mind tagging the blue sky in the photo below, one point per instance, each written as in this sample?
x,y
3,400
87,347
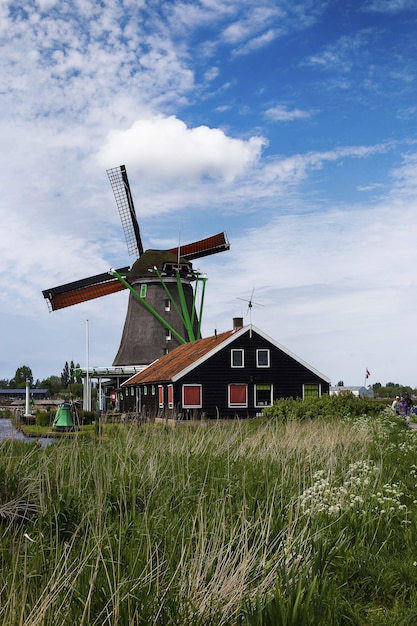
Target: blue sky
x,y
290,125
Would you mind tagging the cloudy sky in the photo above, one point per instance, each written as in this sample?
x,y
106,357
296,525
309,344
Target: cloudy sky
x,y
290,124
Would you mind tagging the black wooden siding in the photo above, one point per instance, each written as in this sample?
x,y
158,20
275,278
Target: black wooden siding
x,y
285,373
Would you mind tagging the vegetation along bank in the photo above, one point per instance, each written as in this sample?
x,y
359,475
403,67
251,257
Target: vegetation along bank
x,y
304,517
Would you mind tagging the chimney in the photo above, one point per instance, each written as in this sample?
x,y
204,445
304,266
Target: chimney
x,y
237,323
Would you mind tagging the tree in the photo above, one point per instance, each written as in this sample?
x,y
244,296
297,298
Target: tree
x,y
4,383
23,373
65,376
76,373
69,374
53,384
340,383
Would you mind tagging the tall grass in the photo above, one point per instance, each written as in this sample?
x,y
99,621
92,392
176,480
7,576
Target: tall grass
x,y
260,522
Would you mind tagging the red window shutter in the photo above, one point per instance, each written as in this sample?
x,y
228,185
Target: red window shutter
x,y
170,396
238,394
161,396
191,396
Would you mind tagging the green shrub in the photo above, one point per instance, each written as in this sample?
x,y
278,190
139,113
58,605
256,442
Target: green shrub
x,y
86,417
44,418
335,407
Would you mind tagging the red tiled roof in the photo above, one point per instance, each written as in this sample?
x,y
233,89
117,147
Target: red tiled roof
x,y
174,362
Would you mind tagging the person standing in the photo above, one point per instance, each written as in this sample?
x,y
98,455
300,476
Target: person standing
x,y
395,406
402,407
408,404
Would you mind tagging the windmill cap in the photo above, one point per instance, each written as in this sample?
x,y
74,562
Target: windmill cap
x,y
151,259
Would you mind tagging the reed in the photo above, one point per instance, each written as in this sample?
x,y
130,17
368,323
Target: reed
x,y
291,522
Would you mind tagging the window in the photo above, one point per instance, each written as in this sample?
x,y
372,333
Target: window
x,y
237,358
142,293
263,395
238,395
145,390
191,396
262,358
311,391
167,305
170,396
167,334
161,396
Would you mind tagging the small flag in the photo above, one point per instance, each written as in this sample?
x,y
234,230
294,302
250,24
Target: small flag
x,y
367,373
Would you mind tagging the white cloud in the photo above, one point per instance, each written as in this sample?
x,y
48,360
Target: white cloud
x,y
165,147
389,6
340,282
281,113
344,53
256,21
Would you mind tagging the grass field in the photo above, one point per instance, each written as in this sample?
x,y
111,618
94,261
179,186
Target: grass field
x,y
278,521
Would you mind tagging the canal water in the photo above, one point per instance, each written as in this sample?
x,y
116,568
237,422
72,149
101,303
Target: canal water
x,y
8,431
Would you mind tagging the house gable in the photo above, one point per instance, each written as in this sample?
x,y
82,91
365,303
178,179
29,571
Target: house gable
x,y
234,338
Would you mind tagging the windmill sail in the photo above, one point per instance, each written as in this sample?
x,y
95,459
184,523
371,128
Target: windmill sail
x,y
83,290
124,201
105,284
204,247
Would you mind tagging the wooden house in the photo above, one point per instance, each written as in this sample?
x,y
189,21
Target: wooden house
x,y
358,391
231,374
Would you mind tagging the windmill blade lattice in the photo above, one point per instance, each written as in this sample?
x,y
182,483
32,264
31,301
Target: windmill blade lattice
x,y
124,201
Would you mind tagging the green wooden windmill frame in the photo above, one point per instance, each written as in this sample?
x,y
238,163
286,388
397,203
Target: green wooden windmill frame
x,y
183,313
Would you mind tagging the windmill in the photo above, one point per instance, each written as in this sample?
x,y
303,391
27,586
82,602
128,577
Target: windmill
x,y
162,309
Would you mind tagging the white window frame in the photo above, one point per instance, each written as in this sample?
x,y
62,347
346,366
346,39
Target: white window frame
x,y
237,405
192,406
261,406
167,305
143,290
234,351
268,352
310,385
168,335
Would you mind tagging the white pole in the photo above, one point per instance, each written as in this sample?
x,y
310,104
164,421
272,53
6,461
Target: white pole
x,y
87,357
27,412
100,399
